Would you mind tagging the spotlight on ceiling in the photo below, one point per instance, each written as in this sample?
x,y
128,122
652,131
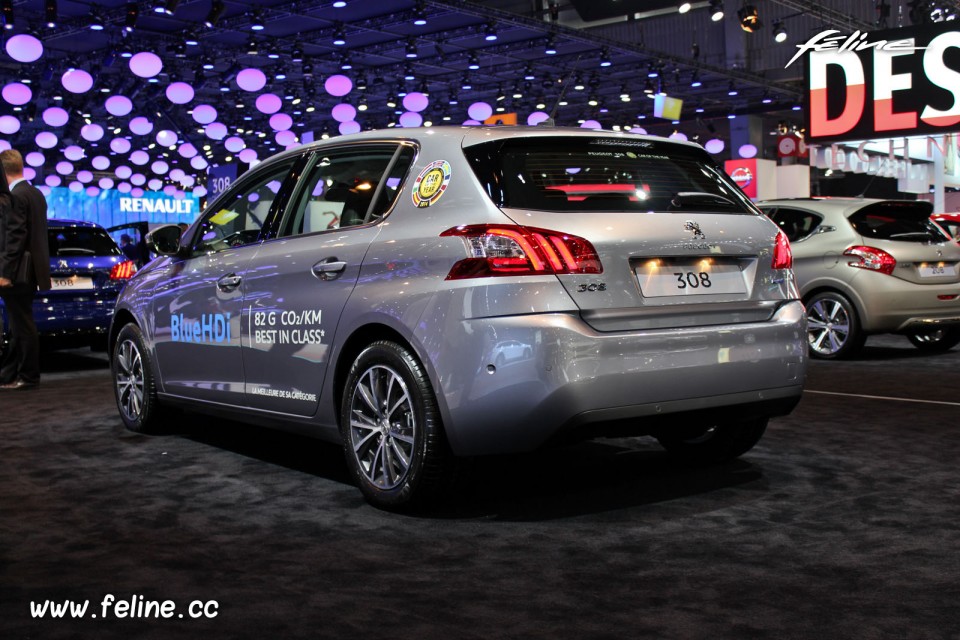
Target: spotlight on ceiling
x,y
551,47
779,32
256,21
216,10
50,13
684,7
605,58
96,20
339,38
130,19
716,10
168,7
419,14
490,32
749,18
695,80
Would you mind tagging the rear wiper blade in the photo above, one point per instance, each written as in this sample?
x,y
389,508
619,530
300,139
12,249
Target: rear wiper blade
x,y
682,198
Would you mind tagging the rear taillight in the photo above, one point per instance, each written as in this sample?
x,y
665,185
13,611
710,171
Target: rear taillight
x,y
782,255
511,250
871,258
123,270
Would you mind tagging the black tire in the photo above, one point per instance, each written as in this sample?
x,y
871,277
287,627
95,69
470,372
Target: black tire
x,y
833,327
134,386
935,340
712,445
392,432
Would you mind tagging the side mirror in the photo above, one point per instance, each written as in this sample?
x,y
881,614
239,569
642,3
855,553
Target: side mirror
x,y
165,241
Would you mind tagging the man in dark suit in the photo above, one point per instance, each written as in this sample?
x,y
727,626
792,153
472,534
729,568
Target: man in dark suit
x,y
24,269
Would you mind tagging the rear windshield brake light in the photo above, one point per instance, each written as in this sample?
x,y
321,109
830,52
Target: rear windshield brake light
x,y
510,250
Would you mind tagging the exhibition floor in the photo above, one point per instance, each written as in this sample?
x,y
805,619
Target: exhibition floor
x,y
844,522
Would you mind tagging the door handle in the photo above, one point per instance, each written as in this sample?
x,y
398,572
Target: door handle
x,y
329,269
229,282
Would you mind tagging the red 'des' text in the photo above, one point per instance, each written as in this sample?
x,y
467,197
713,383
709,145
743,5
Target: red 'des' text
x,y
904,81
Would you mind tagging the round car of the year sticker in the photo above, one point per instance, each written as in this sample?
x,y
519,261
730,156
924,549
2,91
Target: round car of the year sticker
x,y
431,183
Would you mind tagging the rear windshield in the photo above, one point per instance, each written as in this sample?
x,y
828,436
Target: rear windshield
x,y
81,241
603,174
900,221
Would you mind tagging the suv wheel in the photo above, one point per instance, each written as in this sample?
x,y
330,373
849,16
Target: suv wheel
x,y
833,329
392,433
935,340
718,443
133,382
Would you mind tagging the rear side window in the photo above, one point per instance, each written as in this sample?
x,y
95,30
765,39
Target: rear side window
x,y
797,224
899,221
603,174
81,241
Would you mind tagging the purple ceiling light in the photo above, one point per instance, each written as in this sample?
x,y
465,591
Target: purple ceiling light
x,y
93,191
73,152
105,183
286,138
269,103
141,126
155,184
120,145
139,157
344,112
247,155
35,159
118,105
159,167
591,124
282,122
166,138
123,172
29,173
536,118
91,132
415,101
76,187
53,181
216,130
64,168
100,163
714,145
85,176
138,179
200,191
169,190
338,85
251,80
24,48
349,127
46,140
179,93
411,119
187,150
204,114
234,144
480,111
9,125
136,192
77,81
146,64
124,187
17,93
55,116
199,163
176,175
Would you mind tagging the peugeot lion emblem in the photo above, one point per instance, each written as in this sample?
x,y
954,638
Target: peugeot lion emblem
x,y
62,264
690,225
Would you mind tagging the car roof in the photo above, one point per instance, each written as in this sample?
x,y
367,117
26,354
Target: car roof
x,y
842,205
63,222
467,136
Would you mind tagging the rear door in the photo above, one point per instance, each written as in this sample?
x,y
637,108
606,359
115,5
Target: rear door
x,y
299,283
680,245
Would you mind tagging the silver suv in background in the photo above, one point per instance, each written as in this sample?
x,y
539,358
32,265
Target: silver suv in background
x,y
871,266
420,295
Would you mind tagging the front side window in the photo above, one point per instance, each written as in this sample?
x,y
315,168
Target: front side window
x,y
238,218
341,187
600,174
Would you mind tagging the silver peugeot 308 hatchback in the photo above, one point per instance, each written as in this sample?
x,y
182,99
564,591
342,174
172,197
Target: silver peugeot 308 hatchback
x,y
424,295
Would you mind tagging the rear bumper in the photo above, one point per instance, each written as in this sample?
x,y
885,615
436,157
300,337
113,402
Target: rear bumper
x,y
581,381
893,305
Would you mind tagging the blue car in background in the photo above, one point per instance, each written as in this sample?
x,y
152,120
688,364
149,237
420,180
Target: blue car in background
x,y
88,271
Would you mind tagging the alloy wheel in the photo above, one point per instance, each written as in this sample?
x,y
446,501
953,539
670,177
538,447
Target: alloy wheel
x,y
383,426
130,380
828,326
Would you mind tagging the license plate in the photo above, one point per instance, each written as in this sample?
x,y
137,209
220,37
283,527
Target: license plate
x,y
936,271
71,283
689,278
